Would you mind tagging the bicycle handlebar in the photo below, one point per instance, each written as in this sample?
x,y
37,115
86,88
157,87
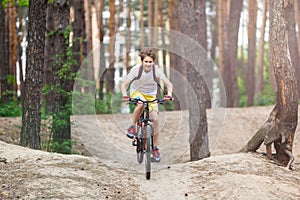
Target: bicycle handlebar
x,y
158,100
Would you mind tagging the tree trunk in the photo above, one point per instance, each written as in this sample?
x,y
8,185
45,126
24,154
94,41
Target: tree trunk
x,y
200,23
100,8
270,57
110,74
89,71
234,24
150,22
297,18
142,24
260,72
174,61
79,36
128,37
2,51
224,61
214,30
13,40
31,115
5,98
198,135
293,45
49,55
281,125
62,107
250,81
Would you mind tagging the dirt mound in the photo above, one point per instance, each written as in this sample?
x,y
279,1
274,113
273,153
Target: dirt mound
x,y
30,174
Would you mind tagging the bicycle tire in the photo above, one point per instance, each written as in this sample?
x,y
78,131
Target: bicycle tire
x,y
148,158
140,150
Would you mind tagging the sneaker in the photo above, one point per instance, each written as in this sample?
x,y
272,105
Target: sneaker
x,y
156,155
131,132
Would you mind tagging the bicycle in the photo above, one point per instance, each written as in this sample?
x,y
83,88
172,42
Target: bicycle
x,y
145,134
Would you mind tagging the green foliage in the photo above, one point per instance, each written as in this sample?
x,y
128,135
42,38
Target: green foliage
x,y
242,92
11,79
18,3
83,103
64,148
266,98
11,109
110,104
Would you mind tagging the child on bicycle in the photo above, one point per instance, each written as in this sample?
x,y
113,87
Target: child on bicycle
x,y
143,85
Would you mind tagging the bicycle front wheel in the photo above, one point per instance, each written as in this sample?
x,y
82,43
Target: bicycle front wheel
x,y
140,150
148,158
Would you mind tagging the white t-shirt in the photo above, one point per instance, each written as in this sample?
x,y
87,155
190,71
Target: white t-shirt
x,y
146,83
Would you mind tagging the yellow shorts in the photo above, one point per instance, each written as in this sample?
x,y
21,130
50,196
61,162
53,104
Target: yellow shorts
x,y
152,106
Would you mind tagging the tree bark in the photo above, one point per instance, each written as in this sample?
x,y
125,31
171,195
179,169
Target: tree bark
x,y
142,25
100,8
174,61
5,98
293,45
89,71
198,135
110,74
31,115
62,107
234,24
260,72
282,122
2,51
49,55
250,81
224,61
214,30
13,40
128,37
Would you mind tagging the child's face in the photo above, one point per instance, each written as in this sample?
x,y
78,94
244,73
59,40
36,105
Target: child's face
x,y
147,63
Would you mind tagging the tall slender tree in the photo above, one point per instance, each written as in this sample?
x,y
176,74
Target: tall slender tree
x,y
293,45
99,11
128,36
4,51
214,29
250,81
110,74
142,23
234,24
49,55
63,73
224,61
31,115
174,61
13,40
2,40
260,63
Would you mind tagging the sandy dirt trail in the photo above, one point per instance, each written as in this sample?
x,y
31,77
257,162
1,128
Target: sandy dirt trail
x,y
113,173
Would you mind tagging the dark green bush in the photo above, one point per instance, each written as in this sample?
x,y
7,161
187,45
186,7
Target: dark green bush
x,y
11,109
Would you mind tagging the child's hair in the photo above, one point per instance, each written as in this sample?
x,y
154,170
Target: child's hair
x,y
147,52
